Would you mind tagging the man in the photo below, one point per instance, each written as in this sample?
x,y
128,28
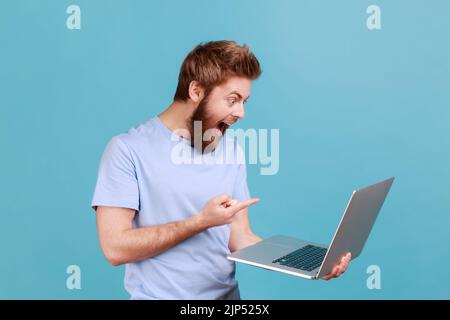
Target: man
x,y
174,224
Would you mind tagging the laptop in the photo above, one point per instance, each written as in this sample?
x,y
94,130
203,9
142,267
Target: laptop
x,y
312,260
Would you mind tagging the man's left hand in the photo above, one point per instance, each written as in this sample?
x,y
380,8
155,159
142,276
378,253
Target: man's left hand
x,y
339,268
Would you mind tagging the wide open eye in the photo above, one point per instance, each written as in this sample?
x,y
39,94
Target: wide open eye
x,y
232,101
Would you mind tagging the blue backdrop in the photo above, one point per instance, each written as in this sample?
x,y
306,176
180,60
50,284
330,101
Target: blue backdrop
x,y
353,106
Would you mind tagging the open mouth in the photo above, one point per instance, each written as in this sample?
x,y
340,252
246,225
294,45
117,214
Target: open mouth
x,y
222,126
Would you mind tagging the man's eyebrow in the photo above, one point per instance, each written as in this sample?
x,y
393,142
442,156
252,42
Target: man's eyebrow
x,y
238,94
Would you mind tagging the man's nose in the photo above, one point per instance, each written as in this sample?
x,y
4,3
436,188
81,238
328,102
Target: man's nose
x,y
239,111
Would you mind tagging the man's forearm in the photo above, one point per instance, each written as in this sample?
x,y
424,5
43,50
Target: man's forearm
x,y
142,243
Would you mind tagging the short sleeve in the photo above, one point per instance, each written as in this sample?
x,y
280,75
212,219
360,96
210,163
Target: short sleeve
x,y
116,182
240,190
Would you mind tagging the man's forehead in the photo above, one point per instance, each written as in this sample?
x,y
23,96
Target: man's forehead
x,y
240,86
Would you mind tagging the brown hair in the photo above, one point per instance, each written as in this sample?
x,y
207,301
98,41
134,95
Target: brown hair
x,y
212,63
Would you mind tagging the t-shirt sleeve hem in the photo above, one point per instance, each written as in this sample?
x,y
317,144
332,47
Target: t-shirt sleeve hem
x,y
118,204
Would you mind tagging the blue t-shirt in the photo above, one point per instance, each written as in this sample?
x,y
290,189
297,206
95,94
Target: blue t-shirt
x,y
164,179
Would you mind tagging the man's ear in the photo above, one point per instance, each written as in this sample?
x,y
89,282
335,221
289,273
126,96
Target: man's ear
x,y
196,92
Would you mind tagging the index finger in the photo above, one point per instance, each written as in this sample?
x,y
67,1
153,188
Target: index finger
x,y
245,204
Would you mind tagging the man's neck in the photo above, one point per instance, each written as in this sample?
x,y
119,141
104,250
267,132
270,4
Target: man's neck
x,y
177,114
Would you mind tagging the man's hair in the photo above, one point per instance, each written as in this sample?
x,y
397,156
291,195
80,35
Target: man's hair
x,y
213,63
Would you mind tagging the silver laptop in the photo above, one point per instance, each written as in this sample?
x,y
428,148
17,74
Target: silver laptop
x,y
314,260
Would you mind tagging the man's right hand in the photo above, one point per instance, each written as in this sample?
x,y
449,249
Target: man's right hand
x,y
220,210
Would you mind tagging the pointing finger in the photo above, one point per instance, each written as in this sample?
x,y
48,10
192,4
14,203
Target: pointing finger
x,y
245,204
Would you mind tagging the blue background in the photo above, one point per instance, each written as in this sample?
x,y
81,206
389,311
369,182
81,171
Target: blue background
x,y
353,107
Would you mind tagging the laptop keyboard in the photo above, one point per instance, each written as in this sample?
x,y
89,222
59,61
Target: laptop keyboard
x,y
306,258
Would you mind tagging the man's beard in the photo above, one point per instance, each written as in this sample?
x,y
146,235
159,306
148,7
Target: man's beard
x,y
200,123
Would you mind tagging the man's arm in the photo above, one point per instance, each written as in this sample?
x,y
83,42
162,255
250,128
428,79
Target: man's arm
x,y
121,243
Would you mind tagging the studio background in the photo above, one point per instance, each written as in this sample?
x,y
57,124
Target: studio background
x,y
353,106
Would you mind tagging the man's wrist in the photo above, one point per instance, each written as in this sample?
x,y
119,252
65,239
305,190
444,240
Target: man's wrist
x,y
198,223
250,240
